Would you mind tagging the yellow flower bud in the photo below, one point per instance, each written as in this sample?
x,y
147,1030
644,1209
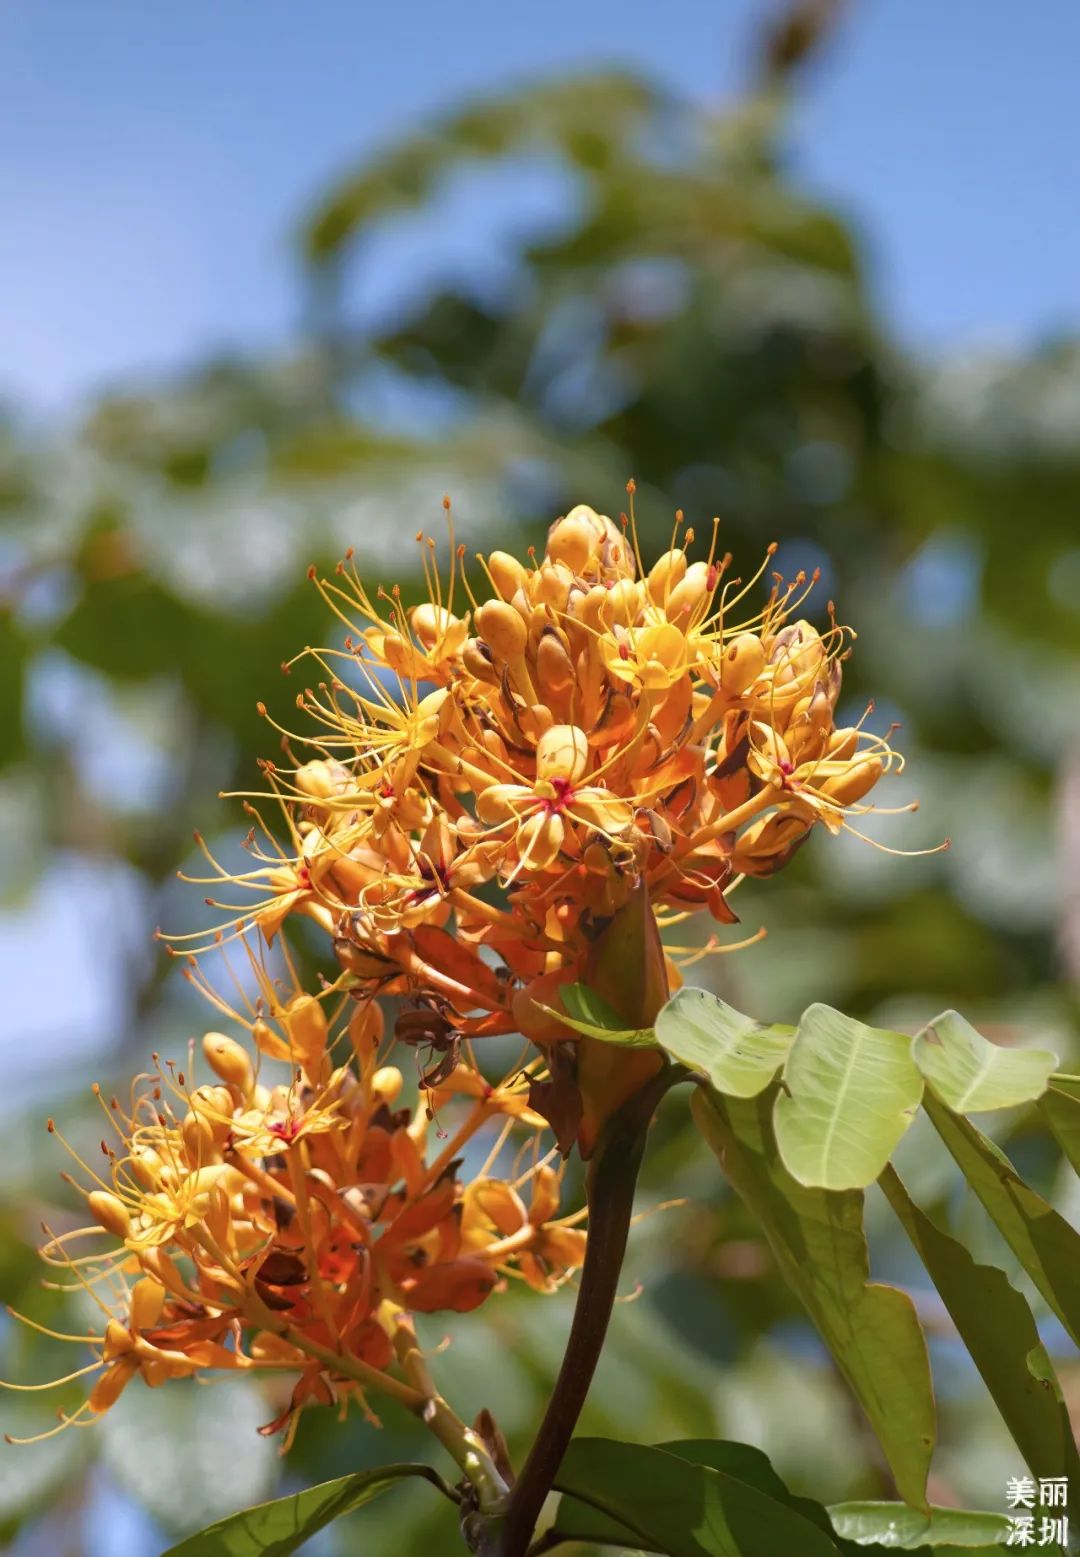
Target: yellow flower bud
x,y
856,781
502,629
229,1061
305,1021
386,1084
430,623
554,667
316,779
689,593
668,571
507,573
573,540
742,663
562,753
110,1211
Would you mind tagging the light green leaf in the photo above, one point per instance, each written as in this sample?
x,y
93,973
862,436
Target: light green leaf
x,y
589,1013
998,1328
739,1055
1044,1243
817,1239
278,1528
1060,1107
899,1528
971,1074
669,1504
851,1092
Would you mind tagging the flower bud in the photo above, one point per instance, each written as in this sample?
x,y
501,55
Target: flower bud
x,y
507,573
316,779
305,1022
110,1212
573,540
430,623
562,753
502,629
742,662
198,1134
620,604
850,786
689,593
229,1061
665,573
386,1084
554,667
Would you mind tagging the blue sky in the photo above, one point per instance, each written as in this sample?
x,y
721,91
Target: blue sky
x,y
157,156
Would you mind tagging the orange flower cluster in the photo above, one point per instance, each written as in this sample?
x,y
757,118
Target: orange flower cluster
x,y
297,1226
498,797
493,782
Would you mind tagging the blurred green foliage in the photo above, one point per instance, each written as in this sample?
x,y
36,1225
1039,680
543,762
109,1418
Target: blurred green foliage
x,y
694,320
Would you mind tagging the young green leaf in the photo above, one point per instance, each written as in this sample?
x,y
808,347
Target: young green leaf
x,y
672,1505
278,1528
997,1327
590,1014
850,1093
817,1239
970,1074
899,1528
1044,1243
738,1055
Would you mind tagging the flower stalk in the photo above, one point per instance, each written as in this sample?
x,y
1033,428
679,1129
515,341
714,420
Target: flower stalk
x,y
612,1180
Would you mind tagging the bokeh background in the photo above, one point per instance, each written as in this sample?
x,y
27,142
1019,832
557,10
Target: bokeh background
x,y
275,279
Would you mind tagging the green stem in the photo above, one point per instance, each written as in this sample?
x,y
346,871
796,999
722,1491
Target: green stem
x,y
612,1178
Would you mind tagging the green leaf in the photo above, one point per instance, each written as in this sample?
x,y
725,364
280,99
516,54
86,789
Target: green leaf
x,y
817,1238
739,1055
899,1528
578,1522
1060,1107
970,1074
591,1014
671,1505
851,1092
998,1328
1044,1243
278,1528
